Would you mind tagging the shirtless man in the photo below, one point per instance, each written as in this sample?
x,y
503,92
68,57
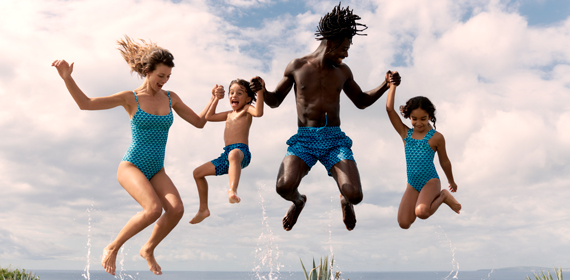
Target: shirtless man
x,y
318,79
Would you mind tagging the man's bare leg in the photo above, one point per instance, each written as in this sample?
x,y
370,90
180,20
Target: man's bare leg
x,y
292,170
347,177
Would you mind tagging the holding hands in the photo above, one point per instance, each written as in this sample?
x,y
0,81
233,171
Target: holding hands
x,y
393,78
257,84
218,91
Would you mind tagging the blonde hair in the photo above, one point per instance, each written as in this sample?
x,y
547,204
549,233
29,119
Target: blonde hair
x,y
143,57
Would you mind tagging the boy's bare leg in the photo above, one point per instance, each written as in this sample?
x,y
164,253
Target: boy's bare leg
x,y
173,212
206,169
235,158
347,177
137,185
292,170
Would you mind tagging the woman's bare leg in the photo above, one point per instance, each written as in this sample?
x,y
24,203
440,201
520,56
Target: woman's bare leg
x,y
138,186
200,173
173,212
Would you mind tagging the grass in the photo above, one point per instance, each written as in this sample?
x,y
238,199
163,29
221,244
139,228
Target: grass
x,y
543,276
321,272
16,274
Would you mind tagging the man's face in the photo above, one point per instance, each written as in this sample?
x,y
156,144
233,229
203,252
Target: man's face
x,y
337,50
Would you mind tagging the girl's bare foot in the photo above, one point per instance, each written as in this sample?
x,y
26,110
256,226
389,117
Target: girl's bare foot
x,y
152,264
450,201
109,259
233,198
200,216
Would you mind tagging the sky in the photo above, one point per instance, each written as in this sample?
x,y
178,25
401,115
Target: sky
x,y
498,72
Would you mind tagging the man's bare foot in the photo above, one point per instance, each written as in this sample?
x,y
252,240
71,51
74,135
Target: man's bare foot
x,y
450,201
109,259
152,264
233,198
200,216
290,218
348,215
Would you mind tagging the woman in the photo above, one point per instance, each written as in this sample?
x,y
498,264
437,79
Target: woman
x,y
141,173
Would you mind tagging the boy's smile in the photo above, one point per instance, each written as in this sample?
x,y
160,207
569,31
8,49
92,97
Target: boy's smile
x,y
238,97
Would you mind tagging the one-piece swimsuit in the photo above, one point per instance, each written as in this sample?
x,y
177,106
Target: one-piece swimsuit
x,y
149,133
419,160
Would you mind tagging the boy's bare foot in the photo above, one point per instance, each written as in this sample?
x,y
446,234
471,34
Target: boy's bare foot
x,y
152,264
348,216
290,218
200,216
109,259
450,201
233,198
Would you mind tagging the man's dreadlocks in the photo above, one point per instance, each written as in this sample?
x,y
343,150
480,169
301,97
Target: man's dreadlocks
x,y
340,23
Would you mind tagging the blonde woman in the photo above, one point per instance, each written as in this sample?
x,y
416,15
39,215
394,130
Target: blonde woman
x,y
141,172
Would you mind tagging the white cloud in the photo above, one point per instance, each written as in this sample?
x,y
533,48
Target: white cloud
x,y
500,87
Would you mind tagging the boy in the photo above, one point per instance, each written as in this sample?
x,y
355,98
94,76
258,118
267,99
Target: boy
x,y
236,153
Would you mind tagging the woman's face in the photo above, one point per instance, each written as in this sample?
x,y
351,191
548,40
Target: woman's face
x,y
159,76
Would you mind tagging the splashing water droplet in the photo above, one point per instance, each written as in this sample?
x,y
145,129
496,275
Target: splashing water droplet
x,y
454,263
267,253
87,275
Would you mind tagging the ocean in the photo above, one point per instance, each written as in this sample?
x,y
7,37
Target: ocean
x,y
500,274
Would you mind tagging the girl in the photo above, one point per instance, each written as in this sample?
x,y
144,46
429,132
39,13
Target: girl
x,y
423,193
141,173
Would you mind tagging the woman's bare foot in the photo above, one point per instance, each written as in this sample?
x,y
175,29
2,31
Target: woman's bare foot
x,y
450,201
109,259
233,198
152,264
200,216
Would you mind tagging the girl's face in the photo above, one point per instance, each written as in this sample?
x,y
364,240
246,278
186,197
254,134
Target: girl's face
x,y
238,97
159,76
420,120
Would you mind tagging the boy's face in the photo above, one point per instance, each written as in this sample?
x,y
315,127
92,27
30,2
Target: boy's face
x,y
238,97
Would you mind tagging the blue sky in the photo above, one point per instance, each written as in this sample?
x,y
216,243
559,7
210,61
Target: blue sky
x,y
497,71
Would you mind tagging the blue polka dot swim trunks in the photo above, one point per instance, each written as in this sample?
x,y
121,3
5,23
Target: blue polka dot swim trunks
x,y
222,164
328,144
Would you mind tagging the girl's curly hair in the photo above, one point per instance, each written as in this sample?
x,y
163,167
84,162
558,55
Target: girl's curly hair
x,y
143,57
338,24
245,85
419,102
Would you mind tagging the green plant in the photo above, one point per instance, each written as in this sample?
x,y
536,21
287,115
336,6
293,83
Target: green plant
x,y
321,272
16,274
543,276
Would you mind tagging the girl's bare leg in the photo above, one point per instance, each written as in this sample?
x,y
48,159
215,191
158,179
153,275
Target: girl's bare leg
x,y
431,197
234,157
137,185
200,173
406,211
173,212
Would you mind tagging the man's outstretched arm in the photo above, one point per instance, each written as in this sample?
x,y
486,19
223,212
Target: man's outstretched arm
x,y
274,99
364,99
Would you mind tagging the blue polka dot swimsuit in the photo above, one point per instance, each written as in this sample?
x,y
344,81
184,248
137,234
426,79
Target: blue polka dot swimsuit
x,y
327,144
419,160
149,133
222,164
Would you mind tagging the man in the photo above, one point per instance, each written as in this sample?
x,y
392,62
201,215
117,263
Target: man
x,y
318,79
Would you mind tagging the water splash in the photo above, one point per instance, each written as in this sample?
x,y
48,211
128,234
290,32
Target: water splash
x,y
86,273
454,263
490,272
267,253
